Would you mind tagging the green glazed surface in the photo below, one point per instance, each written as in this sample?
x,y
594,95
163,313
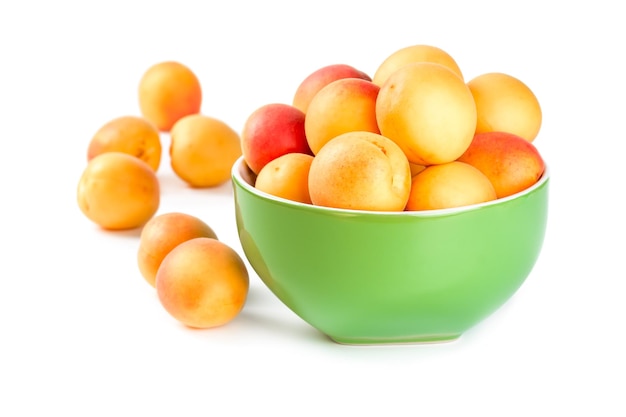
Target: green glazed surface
x,y
371,278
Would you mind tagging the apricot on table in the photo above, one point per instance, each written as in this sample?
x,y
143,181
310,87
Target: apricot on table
x,y
133,135
203,150
163,233
169,91
118,191
202,283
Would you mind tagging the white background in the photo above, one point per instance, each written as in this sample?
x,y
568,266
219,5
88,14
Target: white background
x,y
83,335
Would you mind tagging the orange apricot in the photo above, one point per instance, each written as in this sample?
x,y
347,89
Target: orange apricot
x,y
344,105
202,283
360,171
203,150
118,191
429,111
287,177
414,53
321,77
133,135
169,91
163,233
505,104
448,185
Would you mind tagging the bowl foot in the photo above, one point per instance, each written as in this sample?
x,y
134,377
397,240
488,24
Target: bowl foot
x,y
401,340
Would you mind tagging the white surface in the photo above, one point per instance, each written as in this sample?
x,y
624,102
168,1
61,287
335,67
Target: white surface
x,y
82,333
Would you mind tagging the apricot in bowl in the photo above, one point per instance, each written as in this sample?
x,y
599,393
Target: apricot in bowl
x,y
381,277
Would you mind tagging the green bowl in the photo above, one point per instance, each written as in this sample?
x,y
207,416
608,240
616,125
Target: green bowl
x,y
378,277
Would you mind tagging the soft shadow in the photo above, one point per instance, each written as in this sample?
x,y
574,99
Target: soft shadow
x,y
173,185
134,233
261,310
295,328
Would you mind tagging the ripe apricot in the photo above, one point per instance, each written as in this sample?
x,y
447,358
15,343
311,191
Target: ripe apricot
x,y
169,91
202,283
344,105
203,150
270,131
453,184
163,233
428,111
118,191
287,176
511,162
414,53
133,135
505,104
360,171
321,77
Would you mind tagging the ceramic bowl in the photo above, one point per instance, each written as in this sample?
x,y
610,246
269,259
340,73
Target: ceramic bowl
x,y
364,277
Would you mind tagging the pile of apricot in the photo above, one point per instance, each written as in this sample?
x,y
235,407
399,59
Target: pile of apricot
x,y
199,280
414,136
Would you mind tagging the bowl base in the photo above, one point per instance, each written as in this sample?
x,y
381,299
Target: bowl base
x,y
402,340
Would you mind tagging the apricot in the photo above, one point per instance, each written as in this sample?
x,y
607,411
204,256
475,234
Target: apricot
x,y
203,150
202,283
270,131
414,53
287,177
169,91
344,105
511,162
453,184
133,135
118,191
429,111
163,233
321,77
360,171
504,103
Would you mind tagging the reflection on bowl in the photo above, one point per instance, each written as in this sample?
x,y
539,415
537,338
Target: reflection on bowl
x,y
390,277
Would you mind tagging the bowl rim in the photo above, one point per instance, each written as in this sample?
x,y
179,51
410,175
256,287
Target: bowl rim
x,y
238,176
